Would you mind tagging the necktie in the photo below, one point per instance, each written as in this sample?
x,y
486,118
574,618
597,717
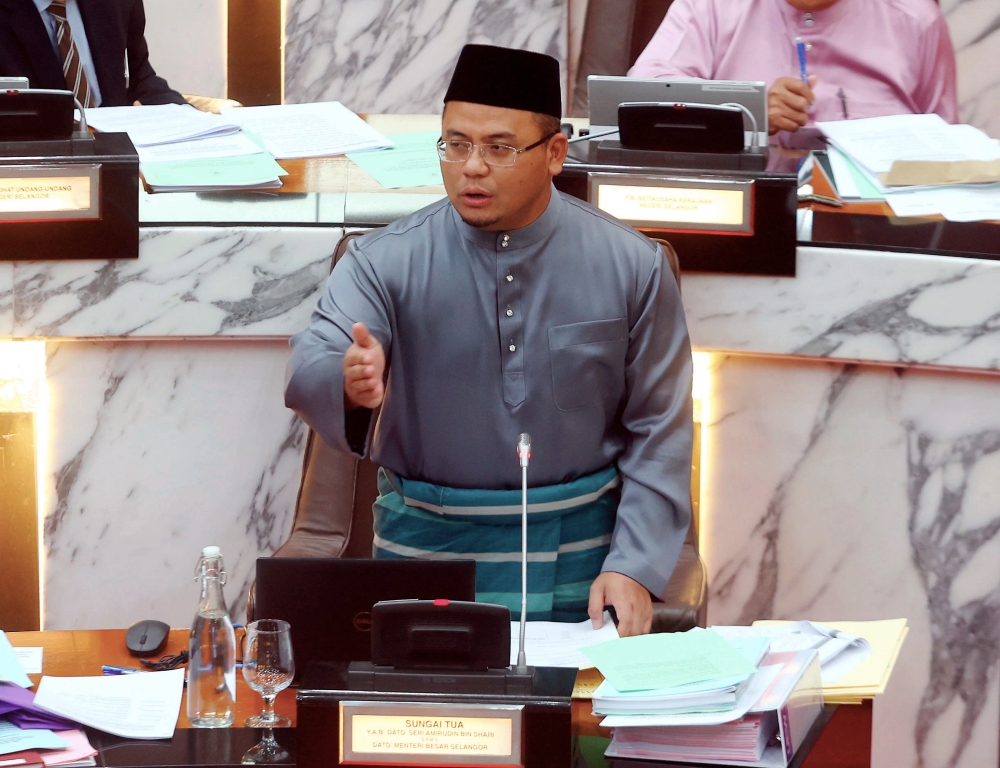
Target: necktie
x,y
76,77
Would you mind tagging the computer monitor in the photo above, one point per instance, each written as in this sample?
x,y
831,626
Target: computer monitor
x,y
606,93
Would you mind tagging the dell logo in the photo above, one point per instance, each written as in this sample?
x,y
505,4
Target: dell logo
x,y
363,621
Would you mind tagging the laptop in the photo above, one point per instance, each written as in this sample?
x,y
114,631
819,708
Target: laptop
x,y
606,93
328,601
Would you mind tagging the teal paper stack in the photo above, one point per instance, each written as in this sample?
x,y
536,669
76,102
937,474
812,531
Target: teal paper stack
x,y
712,694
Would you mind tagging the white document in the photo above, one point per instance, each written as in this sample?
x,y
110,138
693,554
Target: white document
x,y
839,652
877,142
972,202
231,145
30,660
13,739
556,644
134,706
10,668
309,130
159,124
758,686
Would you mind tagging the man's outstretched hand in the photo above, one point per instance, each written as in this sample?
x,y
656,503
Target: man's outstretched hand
x,y
364,367
630,599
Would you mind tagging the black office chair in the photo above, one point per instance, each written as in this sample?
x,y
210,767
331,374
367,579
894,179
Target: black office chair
x,y
333,517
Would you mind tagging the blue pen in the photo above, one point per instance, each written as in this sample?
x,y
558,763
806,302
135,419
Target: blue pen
x,y
107,669
801,48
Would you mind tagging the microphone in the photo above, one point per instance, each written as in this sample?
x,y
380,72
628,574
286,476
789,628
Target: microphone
x,y
523,454
524,448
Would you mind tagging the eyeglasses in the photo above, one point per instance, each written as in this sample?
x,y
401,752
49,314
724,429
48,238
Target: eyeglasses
x,y
452,151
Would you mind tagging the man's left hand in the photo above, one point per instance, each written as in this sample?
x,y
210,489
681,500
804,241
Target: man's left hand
x,y
630,599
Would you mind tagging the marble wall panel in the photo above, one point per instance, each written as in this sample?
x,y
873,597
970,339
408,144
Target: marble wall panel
x,y
975,33
187,281
6,298
837,491
157,449
855,305
397,56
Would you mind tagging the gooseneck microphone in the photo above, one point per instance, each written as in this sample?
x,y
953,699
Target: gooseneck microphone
x,y
523,454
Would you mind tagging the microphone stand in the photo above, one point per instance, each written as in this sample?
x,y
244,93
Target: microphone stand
x,y
523,453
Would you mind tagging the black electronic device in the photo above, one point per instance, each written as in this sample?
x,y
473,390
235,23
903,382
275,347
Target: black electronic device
x,y
440,634
146,637
35,114
328,601
680,127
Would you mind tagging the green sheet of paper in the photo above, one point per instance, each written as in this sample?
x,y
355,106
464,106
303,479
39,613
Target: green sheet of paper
x,y
648,662
241,171
413,163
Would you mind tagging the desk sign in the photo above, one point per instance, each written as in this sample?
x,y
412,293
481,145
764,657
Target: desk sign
x,y
50,192
676,203
380,733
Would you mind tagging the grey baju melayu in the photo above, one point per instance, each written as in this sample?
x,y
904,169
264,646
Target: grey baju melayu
x,y
570,329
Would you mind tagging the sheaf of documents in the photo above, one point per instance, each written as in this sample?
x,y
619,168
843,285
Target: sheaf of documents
x,y
160,124
877,142
14,739
870,677
308,130
648,662
759,683
142,706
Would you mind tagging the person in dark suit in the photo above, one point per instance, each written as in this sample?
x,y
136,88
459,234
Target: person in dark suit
x,y
113,31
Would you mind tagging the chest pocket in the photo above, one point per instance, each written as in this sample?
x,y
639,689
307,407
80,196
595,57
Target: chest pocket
x,y
588,362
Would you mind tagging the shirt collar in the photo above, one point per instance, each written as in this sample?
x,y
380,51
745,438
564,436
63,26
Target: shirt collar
x,y
820,19
42,5
535,232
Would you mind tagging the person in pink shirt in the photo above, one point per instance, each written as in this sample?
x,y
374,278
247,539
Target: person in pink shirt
x,y
866,58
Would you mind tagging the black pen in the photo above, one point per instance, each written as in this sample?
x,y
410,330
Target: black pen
x,y
843,102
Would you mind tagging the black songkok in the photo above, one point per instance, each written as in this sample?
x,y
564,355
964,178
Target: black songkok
x,y
507,77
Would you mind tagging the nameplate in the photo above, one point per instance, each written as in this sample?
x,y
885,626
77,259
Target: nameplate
x,y
682,204
406,733
49,192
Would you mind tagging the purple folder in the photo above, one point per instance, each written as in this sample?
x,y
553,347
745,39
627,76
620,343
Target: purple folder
x,y
17,705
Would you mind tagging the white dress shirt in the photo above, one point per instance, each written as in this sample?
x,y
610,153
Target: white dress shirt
x,y
79,37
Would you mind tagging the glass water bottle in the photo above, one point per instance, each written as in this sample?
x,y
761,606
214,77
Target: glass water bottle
x,y
211,685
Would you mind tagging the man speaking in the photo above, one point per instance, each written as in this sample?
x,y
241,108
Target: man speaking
x,y
512,308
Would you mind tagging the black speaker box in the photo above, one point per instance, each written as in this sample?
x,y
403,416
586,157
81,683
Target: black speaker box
x,y
35,114
440,634
678,127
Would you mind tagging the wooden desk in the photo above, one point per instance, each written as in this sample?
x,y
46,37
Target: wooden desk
x,y
845,742
83,652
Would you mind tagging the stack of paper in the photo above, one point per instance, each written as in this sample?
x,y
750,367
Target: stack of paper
x,y
715,695
182,150
160,124
135,706
865,154
839,651
681,674
308,130
20,748
870,677
742,740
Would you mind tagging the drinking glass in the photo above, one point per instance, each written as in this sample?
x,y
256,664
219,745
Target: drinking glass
x,y
268,667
